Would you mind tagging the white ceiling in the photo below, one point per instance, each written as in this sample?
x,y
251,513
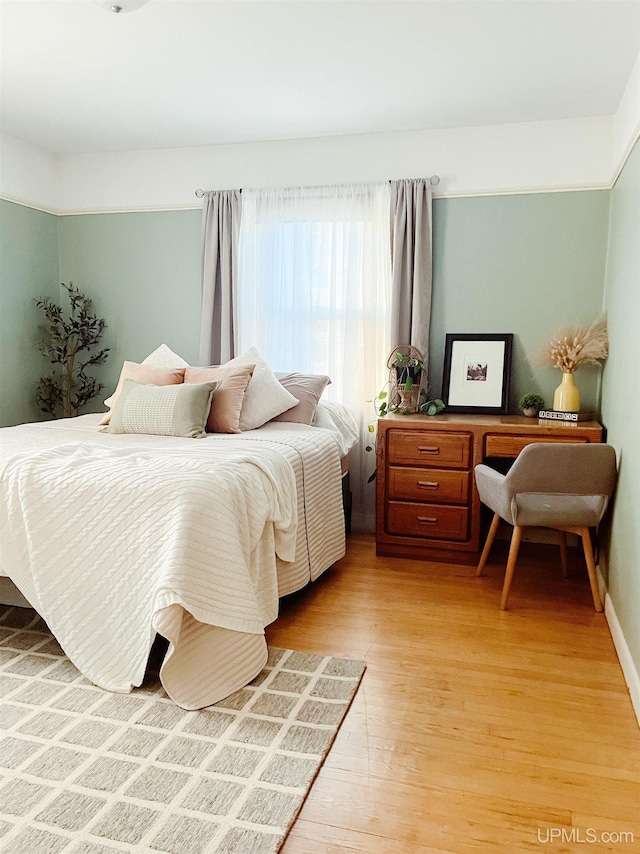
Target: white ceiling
x,y
179,73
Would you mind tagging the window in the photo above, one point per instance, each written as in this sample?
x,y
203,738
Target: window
x,y
315,278
314,288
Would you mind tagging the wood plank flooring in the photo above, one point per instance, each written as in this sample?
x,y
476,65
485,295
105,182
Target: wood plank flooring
x,y
474,730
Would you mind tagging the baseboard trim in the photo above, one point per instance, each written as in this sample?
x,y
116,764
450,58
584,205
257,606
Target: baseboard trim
x,y
629,671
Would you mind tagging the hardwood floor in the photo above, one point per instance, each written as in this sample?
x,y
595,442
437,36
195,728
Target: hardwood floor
x,y
473,730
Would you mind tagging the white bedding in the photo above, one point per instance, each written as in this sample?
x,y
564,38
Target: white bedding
x,y
112,538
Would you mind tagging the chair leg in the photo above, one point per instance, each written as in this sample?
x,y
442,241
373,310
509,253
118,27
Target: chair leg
x,y
489,542
511,565
563,552
591,567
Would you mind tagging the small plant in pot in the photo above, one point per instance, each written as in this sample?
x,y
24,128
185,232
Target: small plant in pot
x,y
408,369
406,372
530,404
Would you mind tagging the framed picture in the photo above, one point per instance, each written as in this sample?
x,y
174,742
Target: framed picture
x,y
476,373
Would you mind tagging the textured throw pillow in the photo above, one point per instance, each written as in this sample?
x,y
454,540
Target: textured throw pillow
x,y
307,388
177,410
141,373
226,406
265,397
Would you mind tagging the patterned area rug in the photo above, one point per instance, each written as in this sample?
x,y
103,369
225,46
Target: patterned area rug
x,y
85,771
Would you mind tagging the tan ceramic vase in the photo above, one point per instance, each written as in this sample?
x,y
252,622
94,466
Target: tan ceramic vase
x,y
566,397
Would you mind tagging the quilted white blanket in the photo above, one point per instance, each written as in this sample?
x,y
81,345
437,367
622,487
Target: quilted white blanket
x,y
112,541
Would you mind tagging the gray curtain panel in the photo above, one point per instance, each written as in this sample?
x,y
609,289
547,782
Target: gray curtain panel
x,y
220,231
411,254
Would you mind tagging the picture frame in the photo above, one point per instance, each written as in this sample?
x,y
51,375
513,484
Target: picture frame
x,y
477,370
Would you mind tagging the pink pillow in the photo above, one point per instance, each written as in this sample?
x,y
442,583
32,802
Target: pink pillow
x,y
226,404
307,388
147,375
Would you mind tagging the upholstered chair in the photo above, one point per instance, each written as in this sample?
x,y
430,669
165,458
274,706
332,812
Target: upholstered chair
x,y
553,485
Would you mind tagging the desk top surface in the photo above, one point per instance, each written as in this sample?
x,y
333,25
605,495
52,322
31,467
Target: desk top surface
x,y
503,423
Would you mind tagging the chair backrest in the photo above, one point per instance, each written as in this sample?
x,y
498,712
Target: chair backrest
x,y
564,468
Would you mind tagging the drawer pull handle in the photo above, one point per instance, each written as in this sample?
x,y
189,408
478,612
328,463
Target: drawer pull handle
x,y
429,449
428,484
428,520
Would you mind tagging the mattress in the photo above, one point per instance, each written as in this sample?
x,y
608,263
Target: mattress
x,y
291,530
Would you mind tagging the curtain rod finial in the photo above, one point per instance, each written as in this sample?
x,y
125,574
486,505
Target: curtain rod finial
x,y
199,194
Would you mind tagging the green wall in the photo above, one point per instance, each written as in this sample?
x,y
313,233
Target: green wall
x,y
142,271
28,269
621,403
526,264
521,263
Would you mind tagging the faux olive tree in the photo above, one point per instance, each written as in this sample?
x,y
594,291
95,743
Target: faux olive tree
x,y
69,338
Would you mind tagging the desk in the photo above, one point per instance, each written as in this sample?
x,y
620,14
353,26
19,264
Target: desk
x,y
427,505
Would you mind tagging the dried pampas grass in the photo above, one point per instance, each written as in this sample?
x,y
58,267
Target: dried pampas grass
x,y
578,345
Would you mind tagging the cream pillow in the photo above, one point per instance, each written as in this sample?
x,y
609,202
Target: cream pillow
x,y
164,357
265,397
147,374
226,406
177,410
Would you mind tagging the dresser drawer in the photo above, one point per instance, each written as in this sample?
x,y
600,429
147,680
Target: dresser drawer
x,y
497,445
431,521
413,484
427,448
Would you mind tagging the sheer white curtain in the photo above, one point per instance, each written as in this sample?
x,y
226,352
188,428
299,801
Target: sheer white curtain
x,y
314,295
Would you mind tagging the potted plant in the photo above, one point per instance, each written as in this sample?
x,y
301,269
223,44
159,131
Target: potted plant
x,y
408,369
406,374
530,404
68,337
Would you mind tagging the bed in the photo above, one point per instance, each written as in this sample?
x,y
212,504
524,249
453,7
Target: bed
x,y
114,538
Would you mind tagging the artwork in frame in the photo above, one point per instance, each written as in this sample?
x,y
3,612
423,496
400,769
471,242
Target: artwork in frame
x,y
476,373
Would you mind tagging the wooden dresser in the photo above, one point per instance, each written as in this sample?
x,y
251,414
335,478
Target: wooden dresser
x,y
426,500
